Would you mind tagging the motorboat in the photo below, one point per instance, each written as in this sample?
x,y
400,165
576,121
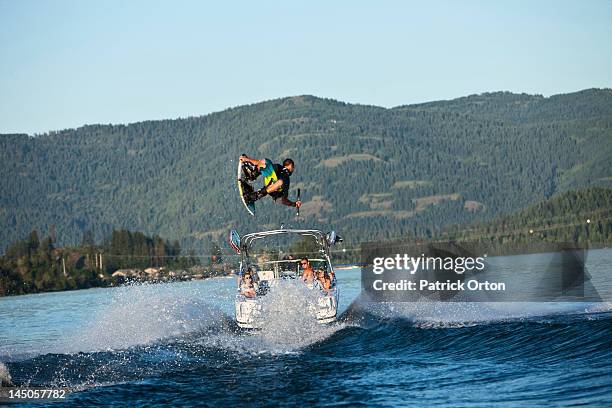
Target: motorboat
x,y
270,261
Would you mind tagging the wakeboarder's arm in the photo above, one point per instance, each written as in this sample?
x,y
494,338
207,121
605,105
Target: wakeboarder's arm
x,y
275,186
259,163
290,203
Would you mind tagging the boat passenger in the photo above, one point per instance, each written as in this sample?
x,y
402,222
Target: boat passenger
x,y
248,288
324,280
308,276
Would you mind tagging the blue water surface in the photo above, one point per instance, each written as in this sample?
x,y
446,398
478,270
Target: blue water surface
x,y
176,344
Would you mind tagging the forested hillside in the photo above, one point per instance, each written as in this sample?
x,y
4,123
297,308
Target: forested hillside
x,y
581,216
367,171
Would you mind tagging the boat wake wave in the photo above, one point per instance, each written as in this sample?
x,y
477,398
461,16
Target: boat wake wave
x,y
366,313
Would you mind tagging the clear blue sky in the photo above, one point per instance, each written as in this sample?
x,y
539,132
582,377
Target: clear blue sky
x,y
68,63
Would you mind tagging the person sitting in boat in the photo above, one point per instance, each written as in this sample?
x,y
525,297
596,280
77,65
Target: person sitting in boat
x,y
324,281
276,179
308,276
248,287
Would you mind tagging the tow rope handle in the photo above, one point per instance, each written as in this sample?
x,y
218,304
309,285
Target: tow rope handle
x,y
298,199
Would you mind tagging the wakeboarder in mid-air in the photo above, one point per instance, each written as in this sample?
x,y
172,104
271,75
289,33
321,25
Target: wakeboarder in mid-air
x,y
276,181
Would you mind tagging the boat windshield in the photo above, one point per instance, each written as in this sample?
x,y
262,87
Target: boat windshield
x,y
284,248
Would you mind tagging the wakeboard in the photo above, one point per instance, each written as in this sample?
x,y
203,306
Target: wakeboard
x,y
245,188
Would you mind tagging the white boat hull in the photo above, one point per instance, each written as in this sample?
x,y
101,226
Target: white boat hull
x,y
249,311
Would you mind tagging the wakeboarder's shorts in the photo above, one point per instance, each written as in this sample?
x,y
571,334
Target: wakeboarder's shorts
x,y
269,173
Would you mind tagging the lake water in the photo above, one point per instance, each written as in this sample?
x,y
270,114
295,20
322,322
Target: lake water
x,y
177,344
